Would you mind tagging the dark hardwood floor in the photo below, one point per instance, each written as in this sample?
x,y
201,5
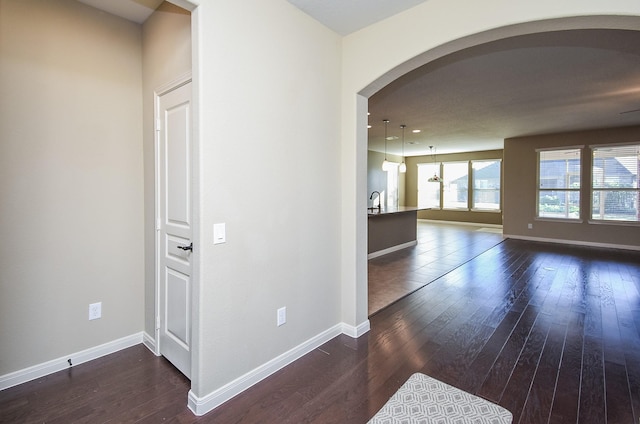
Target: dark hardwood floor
x,y
550,332
441,248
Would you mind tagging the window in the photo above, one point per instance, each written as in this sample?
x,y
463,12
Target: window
x,y
485,175
559,184
614,189
392,185
428,192
455,188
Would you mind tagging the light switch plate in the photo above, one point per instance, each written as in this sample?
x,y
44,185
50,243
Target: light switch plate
x,y
95,311
282,316
219,233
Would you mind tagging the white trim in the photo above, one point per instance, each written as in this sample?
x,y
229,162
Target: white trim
x,y
392,249
614,223
562,220
355,332
185,4
173,85
486,210
574,242
201,405
150,343
472,224
553,149
59,364
622,144
156,213
178,82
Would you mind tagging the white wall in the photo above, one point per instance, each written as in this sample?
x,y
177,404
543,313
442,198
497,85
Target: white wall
x,y
269,154
71,209
166,55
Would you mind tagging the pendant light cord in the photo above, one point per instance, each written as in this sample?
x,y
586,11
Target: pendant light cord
x,y
385,163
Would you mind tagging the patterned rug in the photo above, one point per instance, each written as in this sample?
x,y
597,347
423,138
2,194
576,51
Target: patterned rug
x,y
425,400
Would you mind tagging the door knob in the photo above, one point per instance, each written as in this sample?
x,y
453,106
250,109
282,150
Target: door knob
x,y
190,247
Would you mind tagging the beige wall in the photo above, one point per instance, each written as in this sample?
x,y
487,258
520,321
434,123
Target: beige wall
x,y
269,149
520,164
424,33
494,218
71,209
166,55
296,235
280,76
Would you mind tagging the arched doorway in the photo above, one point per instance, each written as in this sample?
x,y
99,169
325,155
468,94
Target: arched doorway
x,y
360,106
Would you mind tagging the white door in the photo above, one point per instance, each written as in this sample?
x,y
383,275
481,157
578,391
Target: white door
x,y
173,121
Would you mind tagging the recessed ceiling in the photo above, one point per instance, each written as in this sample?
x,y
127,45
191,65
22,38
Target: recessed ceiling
x,y
529,85
133,10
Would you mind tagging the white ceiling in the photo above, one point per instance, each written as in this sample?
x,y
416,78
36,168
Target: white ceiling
x,y
347,16
343,16
473,99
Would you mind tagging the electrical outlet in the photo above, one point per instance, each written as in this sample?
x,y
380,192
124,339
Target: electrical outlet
x,y
95,311
530,226
282,316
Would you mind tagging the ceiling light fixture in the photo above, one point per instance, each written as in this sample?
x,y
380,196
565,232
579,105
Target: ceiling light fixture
x,y
385,164
403,166
435,178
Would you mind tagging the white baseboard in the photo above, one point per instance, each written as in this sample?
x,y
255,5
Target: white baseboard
x,y
59,364
392,249
202,405
199,406
355,332
471,224
150,343
573,242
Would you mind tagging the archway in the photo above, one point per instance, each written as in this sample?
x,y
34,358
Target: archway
x,y
432,54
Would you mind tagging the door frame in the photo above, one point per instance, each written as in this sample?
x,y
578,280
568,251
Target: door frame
x,y
157,93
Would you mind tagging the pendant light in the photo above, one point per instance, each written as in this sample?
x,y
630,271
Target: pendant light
x,y
385,164
435,178
403,166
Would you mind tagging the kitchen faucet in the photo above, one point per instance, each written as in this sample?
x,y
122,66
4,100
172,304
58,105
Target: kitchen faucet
x,y
379,203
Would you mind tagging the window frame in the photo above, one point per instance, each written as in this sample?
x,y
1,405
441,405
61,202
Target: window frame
x,y
473,187
447,180
567,189
438,168
593,189
392,201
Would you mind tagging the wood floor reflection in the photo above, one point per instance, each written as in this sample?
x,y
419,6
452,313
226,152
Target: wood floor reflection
x,y
441,248
550,332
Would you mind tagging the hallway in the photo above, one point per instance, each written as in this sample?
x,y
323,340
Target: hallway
x,y
441,248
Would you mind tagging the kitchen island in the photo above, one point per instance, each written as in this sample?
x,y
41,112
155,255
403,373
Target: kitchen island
x,y
391,229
